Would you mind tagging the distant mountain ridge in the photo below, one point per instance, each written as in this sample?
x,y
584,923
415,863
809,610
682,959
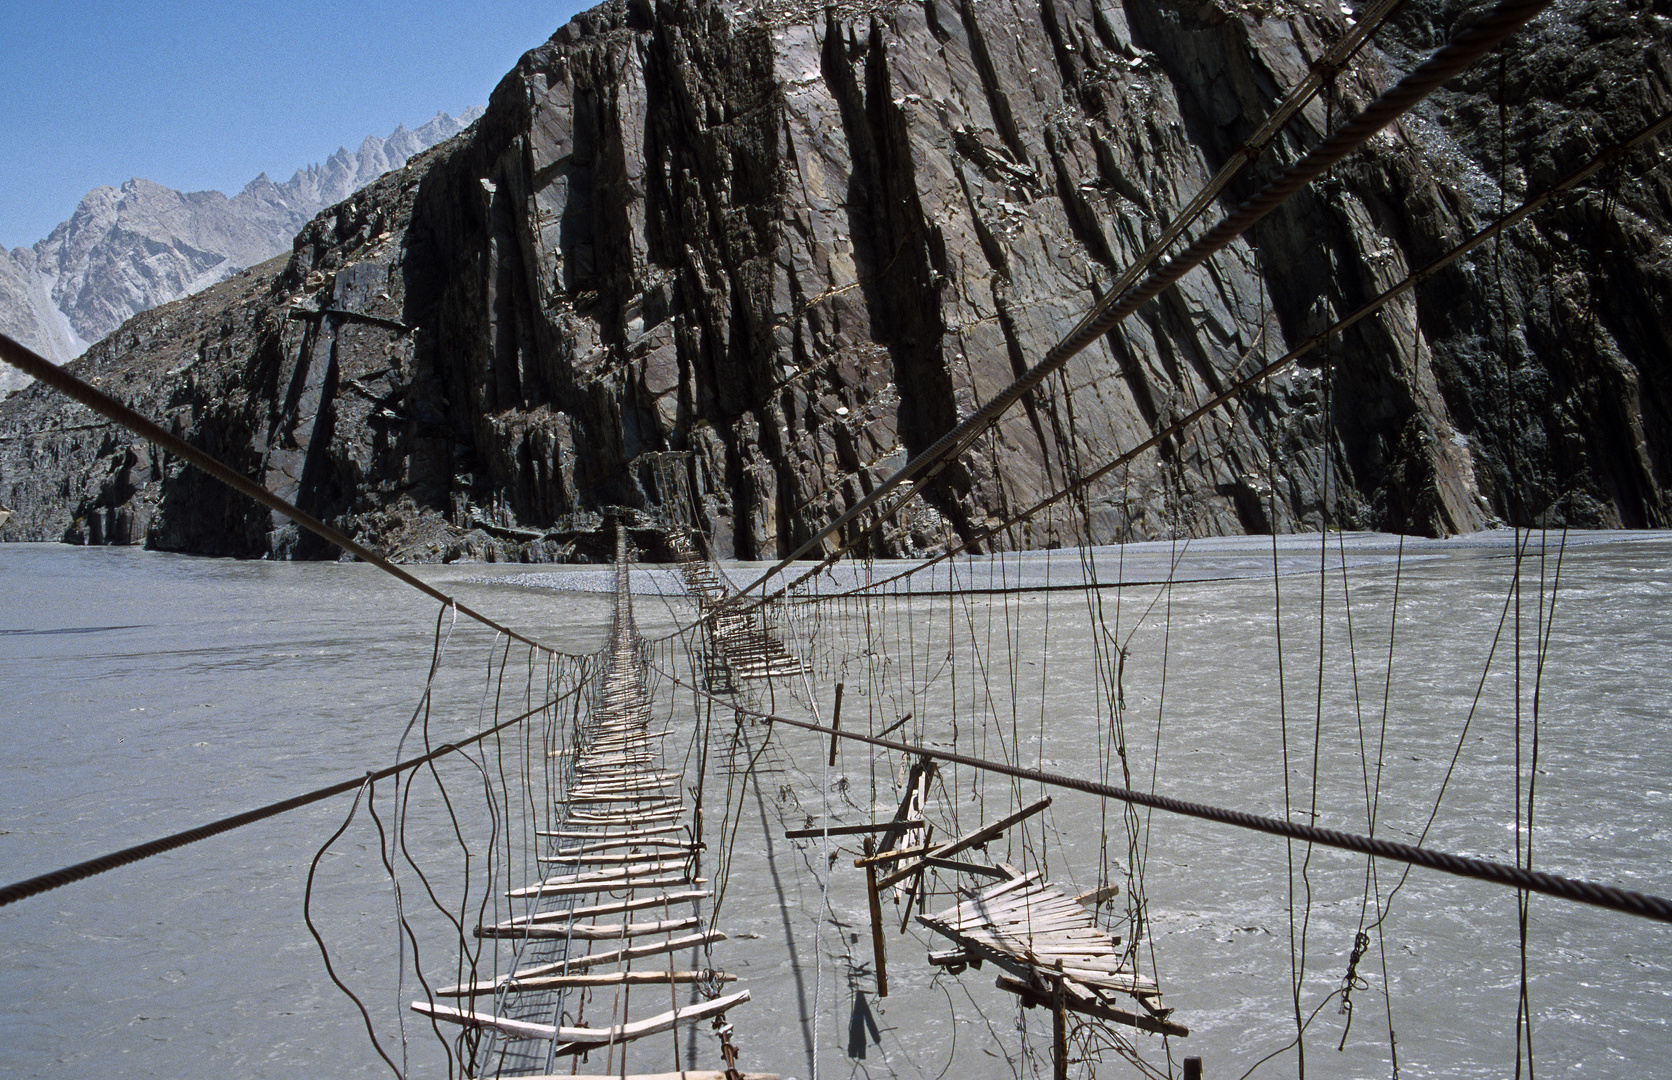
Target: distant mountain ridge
x,y
129,249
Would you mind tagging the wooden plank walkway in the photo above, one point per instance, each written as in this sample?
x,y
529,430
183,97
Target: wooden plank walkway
x,y
622,844
739,646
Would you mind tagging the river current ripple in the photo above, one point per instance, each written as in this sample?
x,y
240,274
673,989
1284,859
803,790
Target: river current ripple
x,y
142,693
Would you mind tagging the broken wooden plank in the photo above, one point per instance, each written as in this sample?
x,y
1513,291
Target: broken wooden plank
x,y
877,943
964,867
849,830
1031,997
969,840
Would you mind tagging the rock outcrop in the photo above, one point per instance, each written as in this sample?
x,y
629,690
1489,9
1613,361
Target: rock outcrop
x,y
128,249
742,262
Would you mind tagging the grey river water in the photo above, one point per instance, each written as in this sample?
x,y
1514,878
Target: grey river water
x,y
141,694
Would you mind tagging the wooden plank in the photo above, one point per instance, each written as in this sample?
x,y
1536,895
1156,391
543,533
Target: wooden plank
x,y
893,855
600,844
917,787
528,978
631,817
878,949
607,857
517,1029
994,891
1031,997
849,830
987,895
650,1025
635,952
622,978
614,907
969,840
635,778
836,722
1059,1030
1003,906
586,834
604,885
964,867
610,874
689,1074
587,932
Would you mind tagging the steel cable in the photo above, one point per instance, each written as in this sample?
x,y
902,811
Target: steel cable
x,y
43,370
1626,901
22,890
1565,888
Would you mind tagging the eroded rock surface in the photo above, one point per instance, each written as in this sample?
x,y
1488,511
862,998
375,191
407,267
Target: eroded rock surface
x,y
793,246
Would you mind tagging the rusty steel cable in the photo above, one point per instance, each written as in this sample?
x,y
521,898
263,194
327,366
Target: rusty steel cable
x,y
22,890
1626,901
43,370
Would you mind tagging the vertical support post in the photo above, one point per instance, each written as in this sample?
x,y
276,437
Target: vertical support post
x,y
835,721
876,920
914,888
1193,1068
1059,1030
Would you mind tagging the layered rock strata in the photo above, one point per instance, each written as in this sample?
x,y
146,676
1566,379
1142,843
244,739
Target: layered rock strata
x,y
739,263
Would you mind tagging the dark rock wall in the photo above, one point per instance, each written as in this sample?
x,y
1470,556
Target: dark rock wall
x,y
797,246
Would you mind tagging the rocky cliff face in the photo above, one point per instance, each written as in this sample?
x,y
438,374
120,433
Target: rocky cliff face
x,y
128,249
750,259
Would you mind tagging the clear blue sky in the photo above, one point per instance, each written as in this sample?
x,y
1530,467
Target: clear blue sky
x,y
200,96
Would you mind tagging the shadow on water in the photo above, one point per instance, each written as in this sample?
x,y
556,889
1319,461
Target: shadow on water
x,y
808,1020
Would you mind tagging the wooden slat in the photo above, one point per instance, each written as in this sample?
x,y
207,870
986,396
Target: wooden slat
x,y
630,834
633,817
850,830
969,840
588,876
614,907
588,931
964,867
602,858
605,843
1031,997
598,885
624,978
517,1029
527,978
651,1025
